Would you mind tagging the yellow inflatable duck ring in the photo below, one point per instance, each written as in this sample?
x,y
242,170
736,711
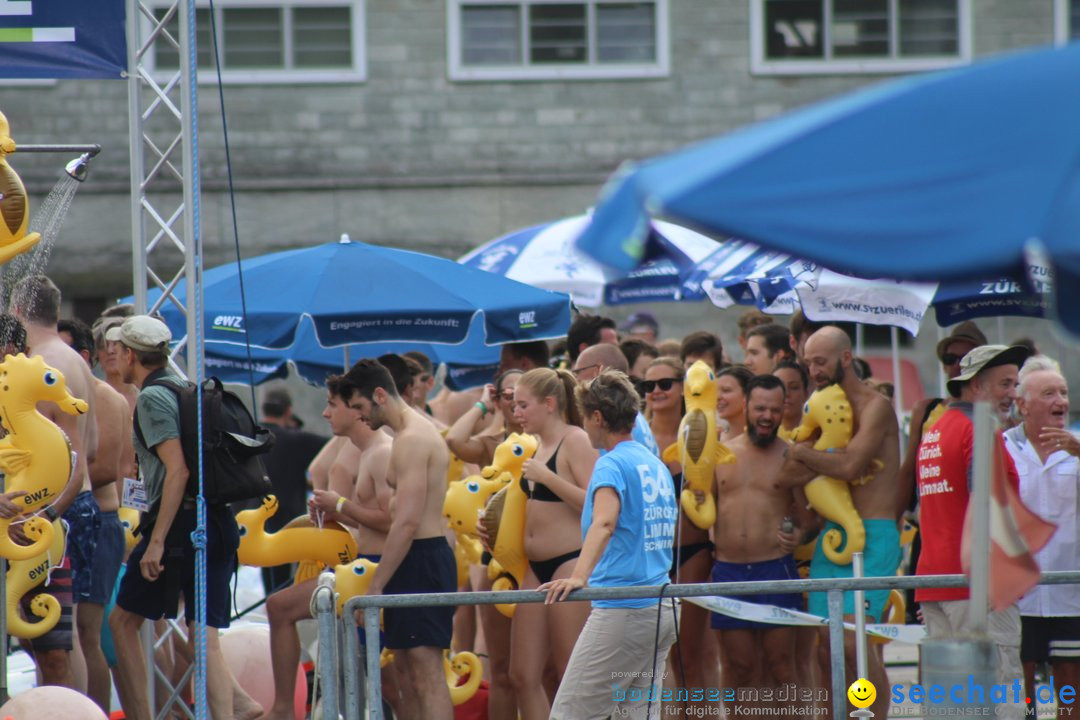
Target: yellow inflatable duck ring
x,y
698,450
465,500
14,209
297,542
828,409
463,675
35,455
504,517
25,575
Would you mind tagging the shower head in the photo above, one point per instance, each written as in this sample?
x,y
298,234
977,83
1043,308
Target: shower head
x,y
78,167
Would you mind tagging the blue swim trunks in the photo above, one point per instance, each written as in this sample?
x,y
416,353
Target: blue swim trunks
x,y
881,558
781,568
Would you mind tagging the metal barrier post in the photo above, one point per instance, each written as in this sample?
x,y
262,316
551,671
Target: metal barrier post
x,y
374,674
836,652
323,602
353,669
860,617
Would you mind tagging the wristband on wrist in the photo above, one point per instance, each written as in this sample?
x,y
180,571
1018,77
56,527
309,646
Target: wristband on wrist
x,y
483,408
50,512
340,504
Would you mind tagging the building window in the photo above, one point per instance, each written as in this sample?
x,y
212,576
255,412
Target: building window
x,y
831,36
549,39
267,41
1066,21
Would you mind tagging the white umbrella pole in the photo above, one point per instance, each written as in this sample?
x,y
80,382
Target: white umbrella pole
x,y
1001,329
898,385
345,358
859,341
940,369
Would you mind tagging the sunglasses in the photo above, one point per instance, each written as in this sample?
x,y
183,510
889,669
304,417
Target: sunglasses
x,y
951,358
665,384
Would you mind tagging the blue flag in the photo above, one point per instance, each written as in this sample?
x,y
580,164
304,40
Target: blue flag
x,y
44,39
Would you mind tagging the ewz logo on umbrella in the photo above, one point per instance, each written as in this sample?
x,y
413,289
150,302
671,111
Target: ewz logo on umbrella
x,y
228,323
527,319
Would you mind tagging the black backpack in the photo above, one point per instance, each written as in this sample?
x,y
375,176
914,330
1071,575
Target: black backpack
x,y
232,442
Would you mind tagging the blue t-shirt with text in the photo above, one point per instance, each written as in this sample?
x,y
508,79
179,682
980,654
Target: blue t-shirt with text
x,y
639,552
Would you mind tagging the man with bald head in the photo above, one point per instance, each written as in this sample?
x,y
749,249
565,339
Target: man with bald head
x,y
594,360
1047,458
875,438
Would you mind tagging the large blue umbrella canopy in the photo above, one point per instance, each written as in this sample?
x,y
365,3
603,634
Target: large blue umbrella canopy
x,y
545,256
945,176
359,293
468,365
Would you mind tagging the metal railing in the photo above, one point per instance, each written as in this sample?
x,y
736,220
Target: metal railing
x,y
324,601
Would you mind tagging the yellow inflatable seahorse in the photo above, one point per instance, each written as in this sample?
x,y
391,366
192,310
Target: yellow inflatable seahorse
x,y
35,455
462,665
465,499
504,517
829,410
698,449
352,579
25,575
14,209
298,541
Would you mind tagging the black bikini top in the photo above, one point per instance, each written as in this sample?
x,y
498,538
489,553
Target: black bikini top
x,y
540,491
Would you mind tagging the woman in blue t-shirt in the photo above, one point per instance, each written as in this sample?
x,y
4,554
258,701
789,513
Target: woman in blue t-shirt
x,y
628,525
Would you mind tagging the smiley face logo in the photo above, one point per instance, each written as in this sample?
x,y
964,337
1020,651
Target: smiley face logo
x,y
862,693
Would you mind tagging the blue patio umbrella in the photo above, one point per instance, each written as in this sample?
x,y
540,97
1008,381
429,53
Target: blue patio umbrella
x,y
359,293
468,365
545,256
945,176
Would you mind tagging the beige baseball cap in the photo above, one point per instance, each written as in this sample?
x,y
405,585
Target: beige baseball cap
x,y
141,332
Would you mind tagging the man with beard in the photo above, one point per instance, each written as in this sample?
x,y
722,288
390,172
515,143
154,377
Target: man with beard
x,y
416,557
876,437
751,506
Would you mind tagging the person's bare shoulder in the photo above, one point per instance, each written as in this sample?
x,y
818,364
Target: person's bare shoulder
x,y
111,403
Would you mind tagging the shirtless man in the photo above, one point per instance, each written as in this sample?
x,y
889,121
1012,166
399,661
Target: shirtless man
x,y
114,456
416,557
876,437
361,464
35,301
751,508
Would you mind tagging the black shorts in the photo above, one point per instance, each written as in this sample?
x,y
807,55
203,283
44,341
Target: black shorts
x,y
428,567
158,599
1049,638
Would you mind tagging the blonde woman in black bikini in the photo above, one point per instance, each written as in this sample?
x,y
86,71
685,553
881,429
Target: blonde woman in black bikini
x,y
696,652
555,481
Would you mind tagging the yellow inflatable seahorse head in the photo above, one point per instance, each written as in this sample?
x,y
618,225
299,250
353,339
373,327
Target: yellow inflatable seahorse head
x,y
298,541
352,580
829,410
26,381
129,519
7,145
462,665
510,455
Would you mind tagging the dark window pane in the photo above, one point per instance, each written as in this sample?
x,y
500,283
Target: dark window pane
x,y
793,29
626,32
322,37
166,56
860,28
557,34
253,38
1074,19
929,27
491,35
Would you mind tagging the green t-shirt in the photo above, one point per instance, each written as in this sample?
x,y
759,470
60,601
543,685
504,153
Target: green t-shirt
x,y
158,413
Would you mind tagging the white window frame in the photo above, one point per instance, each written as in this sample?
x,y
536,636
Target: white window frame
x,y
761,65
459,72
1061,22
357,74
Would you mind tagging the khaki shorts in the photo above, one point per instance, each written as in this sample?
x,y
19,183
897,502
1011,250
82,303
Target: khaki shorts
x,y
610,670
950,619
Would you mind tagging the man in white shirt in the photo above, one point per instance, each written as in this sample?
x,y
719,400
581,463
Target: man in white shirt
x,y
1046,456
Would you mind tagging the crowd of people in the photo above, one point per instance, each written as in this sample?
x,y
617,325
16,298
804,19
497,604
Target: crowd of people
x,y
603,510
